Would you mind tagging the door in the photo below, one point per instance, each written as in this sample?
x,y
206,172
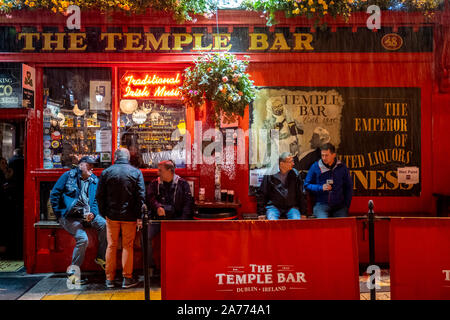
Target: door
x,y
12,134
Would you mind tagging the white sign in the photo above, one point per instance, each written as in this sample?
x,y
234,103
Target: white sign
x,y
100,95
408,175
103,141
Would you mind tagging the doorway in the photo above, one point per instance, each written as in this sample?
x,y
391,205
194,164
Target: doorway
x,y
12,137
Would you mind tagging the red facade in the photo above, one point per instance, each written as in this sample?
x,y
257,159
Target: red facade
x,y
428,71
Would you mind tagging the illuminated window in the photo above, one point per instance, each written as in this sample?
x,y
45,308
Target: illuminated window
x,y
152,118
76,116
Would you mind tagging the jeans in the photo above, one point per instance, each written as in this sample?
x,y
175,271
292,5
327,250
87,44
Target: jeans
x,y
323,210
76,228
273,213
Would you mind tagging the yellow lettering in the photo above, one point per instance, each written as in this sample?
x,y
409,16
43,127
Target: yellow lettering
x,y
181,39
258,41
391,178
48,41
110,40
132,41
198,43
363,179
221,40
76,40
357,124
29,40
303,41
152,44
280,43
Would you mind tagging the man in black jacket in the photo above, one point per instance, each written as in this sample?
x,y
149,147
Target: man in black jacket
x,y
169,198
282,193
120,197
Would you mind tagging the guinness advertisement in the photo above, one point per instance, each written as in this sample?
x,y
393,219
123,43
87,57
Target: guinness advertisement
x,y
376,132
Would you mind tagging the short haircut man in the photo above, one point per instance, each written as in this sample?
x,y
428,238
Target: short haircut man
x,y
120,196
330,182
169,198
281,193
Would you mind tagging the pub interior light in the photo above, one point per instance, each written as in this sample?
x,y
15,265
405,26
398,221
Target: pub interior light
x,y
128,106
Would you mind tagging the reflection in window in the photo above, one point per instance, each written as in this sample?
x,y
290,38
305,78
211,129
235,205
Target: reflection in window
x,y
153,130
77,116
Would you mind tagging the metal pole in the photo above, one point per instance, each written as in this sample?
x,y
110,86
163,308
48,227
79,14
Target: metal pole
x,y
145,249
372,247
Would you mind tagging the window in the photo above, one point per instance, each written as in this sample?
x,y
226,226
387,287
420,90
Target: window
x,y
77,116
152,122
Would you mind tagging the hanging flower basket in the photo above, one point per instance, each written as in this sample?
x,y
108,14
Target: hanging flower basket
x,y
221,79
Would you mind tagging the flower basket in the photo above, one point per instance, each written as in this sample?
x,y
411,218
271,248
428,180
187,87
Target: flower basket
x,y
220,78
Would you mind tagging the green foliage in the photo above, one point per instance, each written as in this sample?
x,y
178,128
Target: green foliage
x,y
221,78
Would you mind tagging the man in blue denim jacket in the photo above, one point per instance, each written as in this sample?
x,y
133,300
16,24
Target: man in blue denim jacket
x,y
330,182
75,206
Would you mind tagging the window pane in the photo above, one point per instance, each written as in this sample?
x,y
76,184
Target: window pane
x,y
153,130
77,116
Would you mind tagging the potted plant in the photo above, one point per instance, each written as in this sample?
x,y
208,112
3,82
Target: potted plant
x,y
221,79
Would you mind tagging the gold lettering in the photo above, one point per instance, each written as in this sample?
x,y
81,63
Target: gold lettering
x,y
258,41
280,43
404,109
198,43
110,40
132,41
29,40
303,41
362,178
357,124
221,40
154,45
391,178
48,41
181,39
76,40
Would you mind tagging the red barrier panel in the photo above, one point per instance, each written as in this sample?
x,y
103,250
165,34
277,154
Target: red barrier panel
x,y
233,260
420,258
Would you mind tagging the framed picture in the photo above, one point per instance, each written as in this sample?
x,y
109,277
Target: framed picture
x,y
105,157
100,95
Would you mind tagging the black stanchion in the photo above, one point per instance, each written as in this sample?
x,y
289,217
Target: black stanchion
x,y
145,251
372,248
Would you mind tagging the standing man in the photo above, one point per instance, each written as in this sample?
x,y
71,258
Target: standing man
x,y
169,198
74,204
329,180
120,196
282,193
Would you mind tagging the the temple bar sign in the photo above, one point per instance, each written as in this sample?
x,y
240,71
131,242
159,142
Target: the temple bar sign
x,y
232,39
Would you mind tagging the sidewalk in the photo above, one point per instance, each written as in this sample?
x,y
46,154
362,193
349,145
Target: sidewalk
x,y
53,287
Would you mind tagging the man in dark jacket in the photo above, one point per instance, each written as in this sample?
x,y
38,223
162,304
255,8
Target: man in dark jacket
x,y
329,180
74,204
169,198
282,193
120,196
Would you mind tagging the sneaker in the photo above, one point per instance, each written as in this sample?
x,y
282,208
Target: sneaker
x,y
110,284
129,283
100,262
74,279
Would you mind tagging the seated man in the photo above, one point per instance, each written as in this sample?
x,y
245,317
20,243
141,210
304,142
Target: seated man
x,y
75,206
329,180
168,197
282,193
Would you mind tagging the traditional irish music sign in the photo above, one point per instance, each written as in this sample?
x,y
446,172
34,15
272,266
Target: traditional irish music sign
x,y
150,85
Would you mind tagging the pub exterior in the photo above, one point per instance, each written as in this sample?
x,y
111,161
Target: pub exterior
x,y
381,95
